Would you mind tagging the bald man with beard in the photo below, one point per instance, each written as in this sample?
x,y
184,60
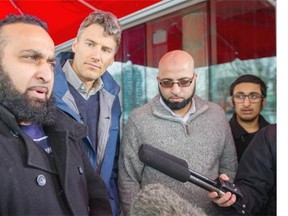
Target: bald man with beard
x,y
180,123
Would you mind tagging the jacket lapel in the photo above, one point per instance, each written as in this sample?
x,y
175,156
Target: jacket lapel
x,y
60,148
37,157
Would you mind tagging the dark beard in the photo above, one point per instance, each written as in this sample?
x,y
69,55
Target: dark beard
x,y
178,106
22,107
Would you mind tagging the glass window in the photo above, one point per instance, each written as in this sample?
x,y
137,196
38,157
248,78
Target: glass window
x,y
226,39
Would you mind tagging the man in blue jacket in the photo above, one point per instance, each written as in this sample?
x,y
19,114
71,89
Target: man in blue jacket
x,y
87,92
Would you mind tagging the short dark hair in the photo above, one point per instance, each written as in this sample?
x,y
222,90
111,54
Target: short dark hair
x,y
23,18
249,78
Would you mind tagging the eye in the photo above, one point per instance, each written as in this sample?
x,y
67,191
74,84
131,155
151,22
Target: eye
x,y
254,96
34,58
89,44
184,82
240,96
167,82
52,64
107,50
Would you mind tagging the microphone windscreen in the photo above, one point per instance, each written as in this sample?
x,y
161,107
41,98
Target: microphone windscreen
x,y
164,162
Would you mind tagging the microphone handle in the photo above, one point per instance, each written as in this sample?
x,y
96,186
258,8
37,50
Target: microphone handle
x,y
203,178
207,186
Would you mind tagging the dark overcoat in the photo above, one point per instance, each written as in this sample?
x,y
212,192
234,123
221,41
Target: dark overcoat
x,y
34,183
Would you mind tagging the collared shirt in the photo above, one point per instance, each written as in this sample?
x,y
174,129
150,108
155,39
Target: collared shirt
x,y
187,115
81,87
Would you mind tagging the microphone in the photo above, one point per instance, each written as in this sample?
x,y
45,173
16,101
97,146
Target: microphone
x,y
164,162
178,169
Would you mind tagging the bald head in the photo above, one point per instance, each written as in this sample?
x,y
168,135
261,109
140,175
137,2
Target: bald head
x,y
177,80
176,62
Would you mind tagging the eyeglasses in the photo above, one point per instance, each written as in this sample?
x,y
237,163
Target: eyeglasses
x,y
253,97
166,83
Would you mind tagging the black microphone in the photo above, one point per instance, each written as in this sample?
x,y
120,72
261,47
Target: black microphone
x,y
164,162
178,169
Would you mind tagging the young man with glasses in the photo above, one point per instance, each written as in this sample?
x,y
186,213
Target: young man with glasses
x,y
182,124
248,97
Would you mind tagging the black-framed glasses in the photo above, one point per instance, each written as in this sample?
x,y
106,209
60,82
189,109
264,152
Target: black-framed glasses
x,y
253,97
185,82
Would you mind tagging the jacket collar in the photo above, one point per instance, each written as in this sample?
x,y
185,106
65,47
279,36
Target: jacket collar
x,y
59,134
159,110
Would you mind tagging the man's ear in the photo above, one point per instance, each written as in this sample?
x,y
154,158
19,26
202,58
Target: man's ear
x,y
264,102
74,45
231,102
157,78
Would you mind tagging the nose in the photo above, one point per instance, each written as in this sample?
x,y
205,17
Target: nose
x,y
175,89
96,53
246,101
45,72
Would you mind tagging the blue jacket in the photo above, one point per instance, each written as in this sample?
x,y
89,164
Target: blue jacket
x,y
108,133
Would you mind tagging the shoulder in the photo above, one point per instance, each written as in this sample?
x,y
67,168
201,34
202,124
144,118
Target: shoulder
x,y
145,109
110,84
208,106
66,123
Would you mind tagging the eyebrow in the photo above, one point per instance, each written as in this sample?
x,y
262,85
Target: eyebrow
x,y
241,92
38,54
188,78
94,42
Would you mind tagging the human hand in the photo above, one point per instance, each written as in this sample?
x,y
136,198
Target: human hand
x,y
225,200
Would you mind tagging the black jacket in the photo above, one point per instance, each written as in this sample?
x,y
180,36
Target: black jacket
x,y
256,175
241,137
34,183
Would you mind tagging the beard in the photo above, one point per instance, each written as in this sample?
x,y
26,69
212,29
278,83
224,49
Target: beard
x,y
178,105
25,109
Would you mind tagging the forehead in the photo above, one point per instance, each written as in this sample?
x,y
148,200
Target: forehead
x,y
95,32
247,88
176,65
175,71
21,36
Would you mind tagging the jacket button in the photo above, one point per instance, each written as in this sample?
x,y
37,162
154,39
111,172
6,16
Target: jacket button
x,y
14,133
41,180
80,170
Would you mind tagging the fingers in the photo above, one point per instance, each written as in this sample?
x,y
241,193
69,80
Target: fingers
x,y
224,177
226,200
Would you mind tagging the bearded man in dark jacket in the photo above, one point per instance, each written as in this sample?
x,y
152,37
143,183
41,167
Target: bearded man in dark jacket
x,y
44,170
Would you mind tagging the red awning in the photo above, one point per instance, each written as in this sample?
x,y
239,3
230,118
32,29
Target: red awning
x,y
64,16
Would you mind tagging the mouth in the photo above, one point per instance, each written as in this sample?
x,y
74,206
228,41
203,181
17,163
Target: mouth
x,y
175,99
246,111
94,66
38,92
